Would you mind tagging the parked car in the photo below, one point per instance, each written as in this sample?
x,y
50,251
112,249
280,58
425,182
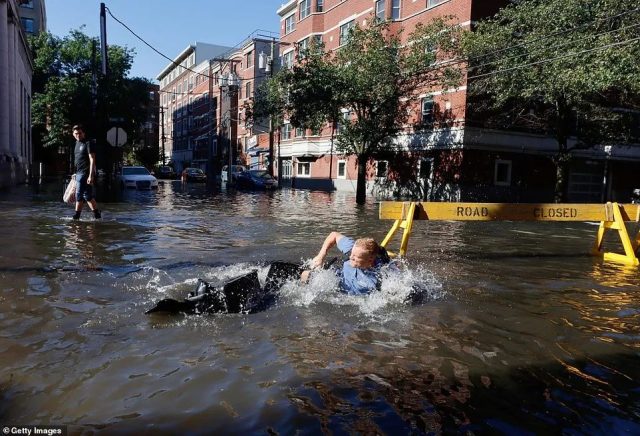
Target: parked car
x,y
137,178
235,169
256,179
193,175
166,172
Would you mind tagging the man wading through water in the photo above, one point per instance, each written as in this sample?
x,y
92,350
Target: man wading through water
x,y
85,160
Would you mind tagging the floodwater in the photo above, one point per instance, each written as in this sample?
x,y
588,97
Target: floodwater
x,y
522,330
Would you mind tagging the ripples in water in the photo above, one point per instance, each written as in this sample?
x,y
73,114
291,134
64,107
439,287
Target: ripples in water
x,y
521,332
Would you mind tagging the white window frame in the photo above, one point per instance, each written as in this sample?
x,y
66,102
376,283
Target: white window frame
x,y
287,59
286,131
346,116
303,47
290,24
381,12
499,162
304,9
300,166
433,3
424,100
396,6
344,32
344,163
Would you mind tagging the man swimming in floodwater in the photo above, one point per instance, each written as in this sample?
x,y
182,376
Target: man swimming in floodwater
x,y
360,274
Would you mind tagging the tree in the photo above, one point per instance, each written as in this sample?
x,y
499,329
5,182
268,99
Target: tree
x,y
367,86
64,93
559,67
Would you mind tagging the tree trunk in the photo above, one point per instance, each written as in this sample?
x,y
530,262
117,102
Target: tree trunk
x,y
562,160
361,189
561,178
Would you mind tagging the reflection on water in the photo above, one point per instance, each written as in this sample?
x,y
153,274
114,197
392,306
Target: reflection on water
x,y
521,330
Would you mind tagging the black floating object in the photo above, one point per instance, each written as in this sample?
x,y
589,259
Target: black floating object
x,y
239,292
240,295
169,305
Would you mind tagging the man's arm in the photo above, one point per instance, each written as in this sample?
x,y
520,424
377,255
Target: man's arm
x,y
329,242
92,167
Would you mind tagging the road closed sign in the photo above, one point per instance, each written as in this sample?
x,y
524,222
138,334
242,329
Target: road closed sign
x,y
116,136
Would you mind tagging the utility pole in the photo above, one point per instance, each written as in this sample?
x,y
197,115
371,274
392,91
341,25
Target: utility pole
x,y
103,39
271,63
162,137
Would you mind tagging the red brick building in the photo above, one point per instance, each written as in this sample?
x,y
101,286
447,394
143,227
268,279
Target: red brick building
x,y
449,156
203,93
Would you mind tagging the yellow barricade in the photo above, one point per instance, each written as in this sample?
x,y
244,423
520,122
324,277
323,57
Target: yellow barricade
x,y
612,216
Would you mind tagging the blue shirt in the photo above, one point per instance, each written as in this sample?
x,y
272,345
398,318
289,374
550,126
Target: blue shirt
x,y
356,281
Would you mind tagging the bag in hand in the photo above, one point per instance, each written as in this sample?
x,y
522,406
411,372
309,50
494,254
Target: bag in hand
x,y
70,193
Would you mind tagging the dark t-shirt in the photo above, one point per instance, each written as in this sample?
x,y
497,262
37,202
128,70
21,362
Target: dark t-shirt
x,y
82,151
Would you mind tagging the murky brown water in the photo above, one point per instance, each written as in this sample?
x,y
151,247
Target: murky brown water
x,y
523,331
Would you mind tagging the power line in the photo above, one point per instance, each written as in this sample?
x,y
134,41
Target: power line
x,y
560,32
476,67
544,61
167,57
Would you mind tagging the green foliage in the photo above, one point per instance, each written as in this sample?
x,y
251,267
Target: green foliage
x,y
559,67
367,85
64,88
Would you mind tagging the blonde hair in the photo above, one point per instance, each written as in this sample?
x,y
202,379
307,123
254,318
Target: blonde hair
x,y
369,245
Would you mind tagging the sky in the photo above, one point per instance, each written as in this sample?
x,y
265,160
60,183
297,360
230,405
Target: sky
x,y
168,25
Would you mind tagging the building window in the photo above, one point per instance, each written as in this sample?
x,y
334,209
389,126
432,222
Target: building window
x,y
426,167
249,59
287,59
380,10
305,9
431,3
248,90
304,169
300,132
27,24
426,116
317,42
344,31
395,9
342,169
286,131
382,168
303,47
346,117
26,4
289,24
319,5
502,173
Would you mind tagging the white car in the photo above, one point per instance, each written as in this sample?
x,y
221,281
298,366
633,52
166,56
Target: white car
x,y
136,178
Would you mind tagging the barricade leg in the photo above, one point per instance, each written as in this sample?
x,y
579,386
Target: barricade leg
x,y
615,221
406,223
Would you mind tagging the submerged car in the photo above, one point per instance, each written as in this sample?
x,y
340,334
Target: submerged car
x,y
256,179
136,178
235,170
166,172
194,175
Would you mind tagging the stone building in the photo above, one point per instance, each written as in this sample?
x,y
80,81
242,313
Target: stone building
x,y
16,71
